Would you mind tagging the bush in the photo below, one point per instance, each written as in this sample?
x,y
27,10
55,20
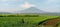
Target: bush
x,y
1,16
19,15
11,16
31,15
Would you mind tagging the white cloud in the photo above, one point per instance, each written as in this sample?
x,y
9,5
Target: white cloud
x,y
51,9
7,7
4,0
8,0
8,10
51,6
27,5
51,1
6,4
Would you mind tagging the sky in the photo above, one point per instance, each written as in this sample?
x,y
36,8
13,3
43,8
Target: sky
x,y
18,5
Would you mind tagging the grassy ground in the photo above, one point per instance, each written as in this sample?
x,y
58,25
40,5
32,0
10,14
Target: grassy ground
x,y
28,21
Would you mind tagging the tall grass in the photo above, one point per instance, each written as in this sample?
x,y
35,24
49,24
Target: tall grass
x,y
22,20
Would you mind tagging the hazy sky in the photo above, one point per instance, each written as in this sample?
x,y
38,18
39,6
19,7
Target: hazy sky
x,y
16,5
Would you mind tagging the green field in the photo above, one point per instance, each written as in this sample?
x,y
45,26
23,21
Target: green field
x,y
18,21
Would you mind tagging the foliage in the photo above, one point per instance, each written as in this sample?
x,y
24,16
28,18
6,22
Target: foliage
x,y
22,20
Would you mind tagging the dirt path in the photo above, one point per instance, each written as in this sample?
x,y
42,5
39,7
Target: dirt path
x,y
49,22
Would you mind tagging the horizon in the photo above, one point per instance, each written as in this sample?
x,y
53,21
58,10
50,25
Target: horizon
x,y
18,5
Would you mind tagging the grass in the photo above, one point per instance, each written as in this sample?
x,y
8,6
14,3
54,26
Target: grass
x,y
28,21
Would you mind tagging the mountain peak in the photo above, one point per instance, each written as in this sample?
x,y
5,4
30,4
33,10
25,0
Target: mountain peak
x,y
31,10
32,7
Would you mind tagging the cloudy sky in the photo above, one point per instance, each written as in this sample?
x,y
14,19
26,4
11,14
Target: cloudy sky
x,y
16,5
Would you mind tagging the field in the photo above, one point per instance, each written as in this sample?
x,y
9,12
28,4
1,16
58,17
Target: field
x,y
22,20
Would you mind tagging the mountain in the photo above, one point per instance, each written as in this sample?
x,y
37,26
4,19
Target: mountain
x,y
5,13
31,10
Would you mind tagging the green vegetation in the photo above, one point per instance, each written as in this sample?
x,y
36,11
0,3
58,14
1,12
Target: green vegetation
x,y
20,20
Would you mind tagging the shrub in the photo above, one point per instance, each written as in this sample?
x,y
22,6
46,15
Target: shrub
x,y
11,16
1,16
31,15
